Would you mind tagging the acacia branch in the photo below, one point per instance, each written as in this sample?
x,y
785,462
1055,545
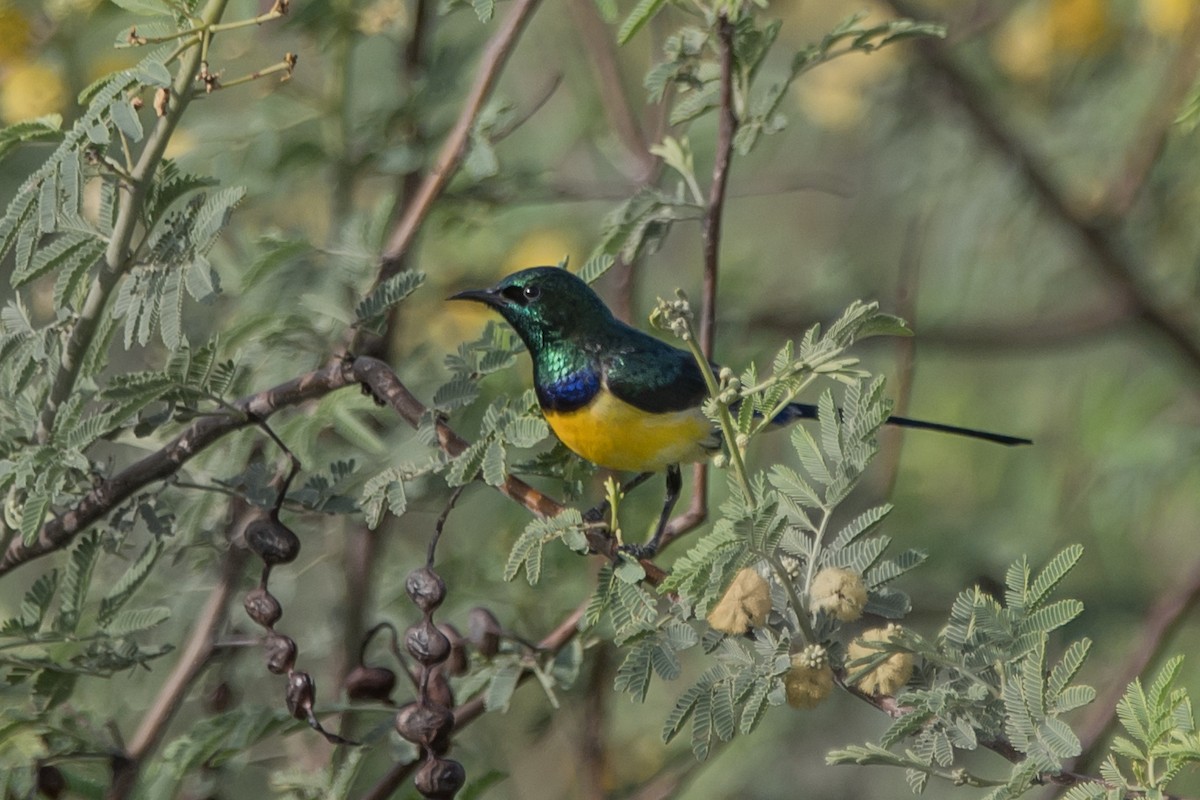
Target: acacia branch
x,y
118,257
727,124
193,658
110,493
641,166
454,149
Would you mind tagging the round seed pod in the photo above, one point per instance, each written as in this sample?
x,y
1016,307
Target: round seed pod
x,y
483,631
220,699
301,694
458,663
274,542
263,608
438,689
50,782
370,683
426,724
440,778
427,644
425,588
281,653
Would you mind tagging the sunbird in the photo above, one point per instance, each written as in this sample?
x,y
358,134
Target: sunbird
x,y
619,397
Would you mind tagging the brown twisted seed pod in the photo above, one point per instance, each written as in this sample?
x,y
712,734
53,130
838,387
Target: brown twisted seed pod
x,y
438,689
274,542
427,644
426,724
50,781
457,664
301,694
370,683
483,631
220,698
425,588
440,778
263,608
281,653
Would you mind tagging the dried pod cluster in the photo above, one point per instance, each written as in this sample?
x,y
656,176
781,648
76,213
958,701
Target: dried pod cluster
x,y
429,720
275,543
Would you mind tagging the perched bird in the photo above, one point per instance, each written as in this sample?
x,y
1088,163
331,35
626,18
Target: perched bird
x,y
619,397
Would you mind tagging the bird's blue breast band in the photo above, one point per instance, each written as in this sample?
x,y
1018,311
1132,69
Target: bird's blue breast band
x,y
570,392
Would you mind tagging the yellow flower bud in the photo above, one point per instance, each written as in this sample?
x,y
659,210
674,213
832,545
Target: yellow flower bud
x,y
31,90
838,592
745,604
810,678
891,674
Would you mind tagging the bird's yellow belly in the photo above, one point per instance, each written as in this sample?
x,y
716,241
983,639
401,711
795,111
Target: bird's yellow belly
x,y
612,433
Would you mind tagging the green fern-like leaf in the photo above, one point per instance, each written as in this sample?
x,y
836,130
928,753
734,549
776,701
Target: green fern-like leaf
x,y
131,621
388,294
638,17
76,581
127,585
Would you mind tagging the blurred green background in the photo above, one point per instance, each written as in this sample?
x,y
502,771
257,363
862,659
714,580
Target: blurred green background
x,y
881,187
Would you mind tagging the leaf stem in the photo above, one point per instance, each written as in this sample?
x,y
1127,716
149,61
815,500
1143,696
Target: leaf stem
x,y
117,257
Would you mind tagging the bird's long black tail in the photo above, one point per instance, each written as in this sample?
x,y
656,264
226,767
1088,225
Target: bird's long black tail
x,y
796,411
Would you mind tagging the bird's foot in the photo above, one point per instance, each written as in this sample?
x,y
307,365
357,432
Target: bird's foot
x,y
596,514
640,551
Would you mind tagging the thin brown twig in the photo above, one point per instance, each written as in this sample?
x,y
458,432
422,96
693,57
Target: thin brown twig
x,y
454,149
1111,255
907,282
108,494
360,561
598,43
727,123
194,657
594,757
118,257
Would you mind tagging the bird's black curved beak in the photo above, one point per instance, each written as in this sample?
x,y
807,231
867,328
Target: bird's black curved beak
x,y
489,297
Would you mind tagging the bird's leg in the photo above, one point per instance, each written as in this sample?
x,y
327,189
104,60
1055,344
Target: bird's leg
x,y
674,487
599,512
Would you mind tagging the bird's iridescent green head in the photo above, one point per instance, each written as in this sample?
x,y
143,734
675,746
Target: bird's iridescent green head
x,y
545,305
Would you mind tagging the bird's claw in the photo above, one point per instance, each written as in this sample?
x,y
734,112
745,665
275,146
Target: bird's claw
x,y
639,551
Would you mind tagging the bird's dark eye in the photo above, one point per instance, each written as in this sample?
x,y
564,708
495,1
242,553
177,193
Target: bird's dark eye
x,y
514,293
532,292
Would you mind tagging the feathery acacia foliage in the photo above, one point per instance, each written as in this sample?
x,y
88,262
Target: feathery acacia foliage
x,y
121,240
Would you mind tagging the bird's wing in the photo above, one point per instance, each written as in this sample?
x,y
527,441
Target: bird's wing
x,y
651,375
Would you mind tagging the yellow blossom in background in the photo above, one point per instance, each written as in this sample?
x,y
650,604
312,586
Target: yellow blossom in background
x,y
61,9
539,248
1080,27
14,34
1167,17
834,95
181,143
31,90
1023,46
383,16
1044,31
